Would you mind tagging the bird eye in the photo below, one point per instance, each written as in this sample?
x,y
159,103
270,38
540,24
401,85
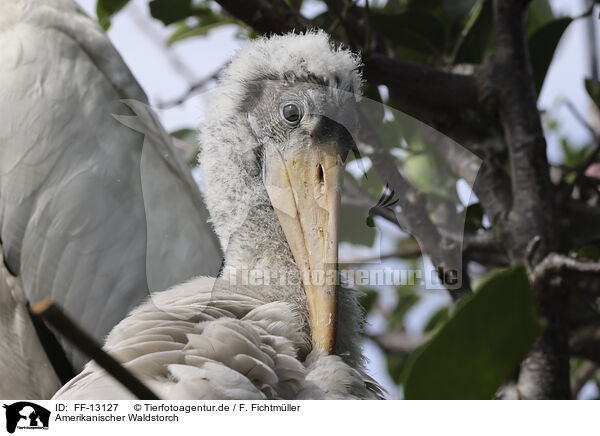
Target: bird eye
x,y
291,113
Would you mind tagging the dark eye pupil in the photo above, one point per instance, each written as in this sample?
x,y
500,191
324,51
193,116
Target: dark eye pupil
x,y
291,112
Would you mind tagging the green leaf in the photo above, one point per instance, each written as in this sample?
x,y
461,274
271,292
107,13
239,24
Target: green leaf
x,y
459,9
573,155
296,4
105,9
395,365
187,135
185,142
354,228
406,301
539,14
591,252
593,88
206,21
367,299
474,218
477,35
185,31
171,11
481,345
417,170
542,45
438,318
418,31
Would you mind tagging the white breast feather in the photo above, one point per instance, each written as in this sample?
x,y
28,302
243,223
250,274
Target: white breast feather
x,y
200,340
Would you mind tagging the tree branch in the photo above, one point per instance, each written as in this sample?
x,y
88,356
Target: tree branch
x,y
432,86
193,88
445,253
398,342
516,97
558,265
545,371
588,347
582,376
267,16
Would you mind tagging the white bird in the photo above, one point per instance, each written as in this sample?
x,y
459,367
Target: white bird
x,y
272,150
92,213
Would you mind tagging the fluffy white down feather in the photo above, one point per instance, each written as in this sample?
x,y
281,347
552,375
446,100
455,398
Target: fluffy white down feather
x,y
202,340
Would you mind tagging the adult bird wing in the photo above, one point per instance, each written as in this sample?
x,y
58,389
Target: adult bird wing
x,y
96,207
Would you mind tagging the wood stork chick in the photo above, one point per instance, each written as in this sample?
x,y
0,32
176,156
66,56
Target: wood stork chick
x,y
272,150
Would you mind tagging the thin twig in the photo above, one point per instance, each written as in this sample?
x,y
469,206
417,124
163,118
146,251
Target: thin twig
x,y
592,156
408,248
584,374
555,264
579,117
432,86
398,342
176,63
587,347
195,87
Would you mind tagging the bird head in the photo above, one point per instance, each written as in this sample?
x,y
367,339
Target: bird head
x,y
277,132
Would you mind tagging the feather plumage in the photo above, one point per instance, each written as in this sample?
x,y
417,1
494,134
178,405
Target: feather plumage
x,y
92,213
207,339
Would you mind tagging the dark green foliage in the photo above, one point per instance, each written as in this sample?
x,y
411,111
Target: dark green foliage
x,y
481,345
593,88
478,343
477,36
438,319
418,31
170,11
354,228
367,299
105,9
542,45
474,218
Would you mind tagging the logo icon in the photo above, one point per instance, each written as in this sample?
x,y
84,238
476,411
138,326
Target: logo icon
x,y
26,415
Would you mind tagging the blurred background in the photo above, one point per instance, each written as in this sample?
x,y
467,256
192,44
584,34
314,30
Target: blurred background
x,y
176,64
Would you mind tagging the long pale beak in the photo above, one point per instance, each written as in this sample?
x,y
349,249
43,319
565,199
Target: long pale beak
x,y
304,189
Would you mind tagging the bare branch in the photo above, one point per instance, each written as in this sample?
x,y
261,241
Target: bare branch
x,y
485,248
194,87
579,117
545,371
267,16
516,97
157,39
558,265
582,376
588,347
430,85
490,182
398,342
407,248
444,252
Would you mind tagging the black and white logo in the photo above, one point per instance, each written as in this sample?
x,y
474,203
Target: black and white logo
x,y
26,415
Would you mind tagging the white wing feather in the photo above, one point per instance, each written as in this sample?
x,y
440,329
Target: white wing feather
x,y
83,197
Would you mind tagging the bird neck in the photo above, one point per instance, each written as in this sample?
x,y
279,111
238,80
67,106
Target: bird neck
x,y
259,256
255,247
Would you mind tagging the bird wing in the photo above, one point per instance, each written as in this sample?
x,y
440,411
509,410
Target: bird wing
x,y
204,340
92,212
